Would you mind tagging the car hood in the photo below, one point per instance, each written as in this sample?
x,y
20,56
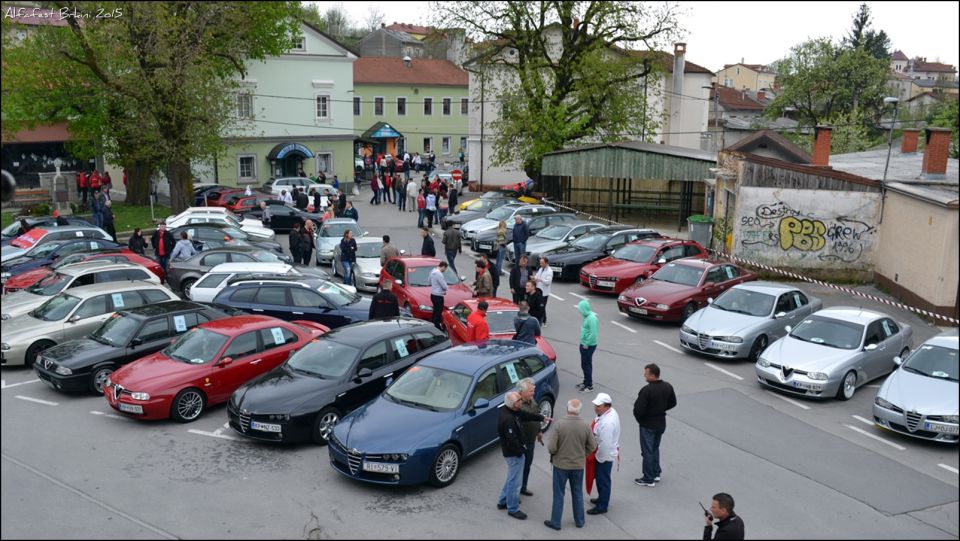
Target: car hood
x,y
660,291
257,232
359,309
15,265
717,322
19,303
572,253
543,245
10,252
369,265
327,243
382,426
314,272
23,329
611,266
923,394
465,216
156,373
455,294
81,353
27,279
807,356
481,224
283,390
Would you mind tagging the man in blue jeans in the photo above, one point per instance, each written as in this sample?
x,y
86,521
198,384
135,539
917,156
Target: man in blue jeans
x,y
650,411
520,235
569,443
606,428
512,447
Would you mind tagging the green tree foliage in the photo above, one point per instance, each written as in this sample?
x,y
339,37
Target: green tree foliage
x,y
947,115
861,36
563,72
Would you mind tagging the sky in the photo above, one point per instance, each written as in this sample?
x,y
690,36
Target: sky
x,y
718,33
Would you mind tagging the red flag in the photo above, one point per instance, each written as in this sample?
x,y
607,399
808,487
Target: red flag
x,y
591,465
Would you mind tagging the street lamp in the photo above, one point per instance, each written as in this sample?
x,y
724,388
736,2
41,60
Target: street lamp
x,y
896,105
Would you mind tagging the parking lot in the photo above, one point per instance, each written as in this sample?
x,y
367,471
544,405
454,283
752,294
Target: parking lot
x,y
797,468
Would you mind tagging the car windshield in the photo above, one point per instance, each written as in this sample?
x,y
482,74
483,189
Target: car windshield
x,y
369,249
744,301
429,388
934,361
337,229
337,295
44,250
12,230
69,260
638,253
234,233
501,213
265,256
501,322
56,308
323,358
420,276
51,285
829,332
554,232
592,241
117,331
199,346
232,220
679,274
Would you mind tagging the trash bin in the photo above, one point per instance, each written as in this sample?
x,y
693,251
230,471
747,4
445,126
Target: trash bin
x,y
700,228
473,185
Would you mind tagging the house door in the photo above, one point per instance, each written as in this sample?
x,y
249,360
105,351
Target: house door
x,y
291,165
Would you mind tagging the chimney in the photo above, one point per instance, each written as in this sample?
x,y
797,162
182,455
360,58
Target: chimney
x,y
676,100
821,146
936,153
911,136
742,59
761,96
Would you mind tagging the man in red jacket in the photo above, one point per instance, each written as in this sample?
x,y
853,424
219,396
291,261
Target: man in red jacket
x,y
82,185
477,328
94,181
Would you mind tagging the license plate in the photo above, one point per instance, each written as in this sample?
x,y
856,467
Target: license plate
x,y
556,269
944,429
722,346
265,427
130,408
806,386
636,310
380,467
485,246
606,283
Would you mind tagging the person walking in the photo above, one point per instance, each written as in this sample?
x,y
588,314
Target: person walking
x,y
438,289
412,191
427,249
569,444
388,188
513,448
421,208
348,256
137,243
351,212
606,428
401,187
82,185
96,207
162,242
588,344
519,275
532,430
317,202
430,207
384,304
342,204
452,200
535,298
451,246
650,410
483,287
729,524
265,217
307,242
375,186
387,251
500,243
526,326
296,242
521,232
544,277
494,272
106,218
477,328
184,248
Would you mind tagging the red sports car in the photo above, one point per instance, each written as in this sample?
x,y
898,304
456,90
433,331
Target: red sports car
x,y
219,198
409,279
500,314
204,366
29,278
635,262
679,289
238,203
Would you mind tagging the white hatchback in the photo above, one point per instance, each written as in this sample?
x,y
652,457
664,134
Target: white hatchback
x,y
219,277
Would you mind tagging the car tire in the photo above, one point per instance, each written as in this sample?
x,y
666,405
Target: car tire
x,y
324,423
186,285
688,311
98,379
188,405
759,345
847,388
446,466
34,351
545,408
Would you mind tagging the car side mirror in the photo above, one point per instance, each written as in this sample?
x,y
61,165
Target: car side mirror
x,y
779,315
73,319
364,373
661,261
481,403
788,328
898,360
398,282
225,361
136,342
709,300
870,347
365,233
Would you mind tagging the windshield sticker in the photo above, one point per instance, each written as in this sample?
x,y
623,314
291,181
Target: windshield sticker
x,y
939,374
180,323
277,335
817,340
401,346
729,271
95,245
886,327
796,299
117,300
512,373
79,233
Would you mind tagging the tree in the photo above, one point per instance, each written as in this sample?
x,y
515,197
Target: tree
x,y
861,36
374,17
337,21
947,115
563,72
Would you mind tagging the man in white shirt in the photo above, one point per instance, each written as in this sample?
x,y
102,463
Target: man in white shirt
x,y
438,289
606,428
544,278
286,197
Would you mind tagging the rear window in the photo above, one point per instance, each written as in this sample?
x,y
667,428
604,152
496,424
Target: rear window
x,y
211,280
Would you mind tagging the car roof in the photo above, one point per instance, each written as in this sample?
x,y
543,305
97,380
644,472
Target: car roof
x,y
471,358
235,325
161,308
370,240
948,339
302,281
655,242
194,210
339,221
770,288
494,304
93,290
418,260
611,229
862,316
237,248
698,263
209,225
294,178
257,266
82,267
364,332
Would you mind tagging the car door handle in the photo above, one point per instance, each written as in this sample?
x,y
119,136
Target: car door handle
x,y
298,313
256,361
388,375
257,309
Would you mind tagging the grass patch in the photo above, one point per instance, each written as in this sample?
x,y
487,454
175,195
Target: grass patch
x,y
6,219
130,217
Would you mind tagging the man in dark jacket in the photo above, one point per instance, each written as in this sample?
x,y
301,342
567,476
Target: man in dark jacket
x,y
163,243
302,200
650,411
451,245
296,242
527,326
384,304
513,448
535,299
730,525
521,232
428,249
519,275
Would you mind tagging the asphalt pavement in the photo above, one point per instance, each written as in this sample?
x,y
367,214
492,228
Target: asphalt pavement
x,y
797,468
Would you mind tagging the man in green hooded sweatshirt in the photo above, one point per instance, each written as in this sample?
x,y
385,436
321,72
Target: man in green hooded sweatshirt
x,y
588,344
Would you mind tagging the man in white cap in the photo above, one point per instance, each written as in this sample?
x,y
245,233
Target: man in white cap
x,y
606,428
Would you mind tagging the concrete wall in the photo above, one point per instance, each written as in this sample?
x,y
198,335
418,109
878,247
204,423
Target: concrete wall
x,y
830,231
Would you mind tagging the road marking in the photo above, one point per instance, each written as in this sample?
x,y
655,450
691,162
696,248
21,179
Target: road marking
x,y
862,420
3,383
556,297
221,429
37,400
949,468
97,413
622,326
213,435
92,500
578,296
791,401
878,438
668,346
111,415
718,369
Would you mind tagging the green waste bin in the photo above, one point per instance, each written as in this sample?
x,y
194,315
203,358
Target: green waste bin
x,y
700,228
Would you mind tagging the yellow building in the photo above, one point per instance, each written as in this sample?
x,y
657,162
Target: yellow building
x,y
746,76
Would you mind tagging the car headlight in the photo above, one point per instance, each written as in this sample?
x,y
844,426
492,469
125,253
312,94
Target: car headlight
x,y
5,346
951,419
425,308
662,306
817,376
622,298
882,403
140,396
63,370
278,417
688,330
731,339
763,362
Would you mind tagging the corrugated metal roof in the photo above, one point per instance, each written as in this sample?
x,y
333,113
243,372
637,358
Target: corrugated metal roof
x,y
630,159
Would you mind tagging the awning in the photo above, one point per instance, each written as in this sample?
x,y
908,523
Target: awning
x,y
381,130
283,150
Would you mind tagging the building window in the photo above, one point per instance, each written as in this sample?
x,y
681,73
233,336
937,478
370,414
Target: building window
x,y
446,106
463,144
325,162
427,144
378,106
323,107
445,145
356,106
246,168
427,106
401,106
244,105
299,44
464,107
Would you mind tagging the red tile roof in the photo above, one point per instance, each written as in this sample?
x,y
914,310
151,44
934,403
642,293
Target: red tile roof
x,y
898,55
731,98
934,66
665,61
409,28
423,72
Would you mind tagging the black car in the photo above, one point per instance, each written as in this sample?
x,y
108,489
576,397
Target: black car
x,y
302,399
51,252
283,216
566,261
14,230
297,297
211,235
84,364
484,240
487,204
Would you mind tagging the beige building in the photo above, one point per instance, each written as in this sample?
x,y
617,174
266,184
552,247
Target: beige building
x,y
746,76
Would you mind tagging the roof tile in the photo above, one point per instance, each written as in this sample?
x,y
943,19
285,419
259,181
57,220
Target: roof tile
x,y
422,72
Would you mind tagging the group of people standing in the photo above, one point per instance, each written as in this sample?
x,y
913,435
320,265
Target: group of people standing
x,y
89,184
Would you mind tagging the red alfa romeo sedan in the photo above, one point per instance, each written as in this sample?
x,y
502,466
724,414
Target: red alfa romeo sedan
x,y
635,262
500,314
409,279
